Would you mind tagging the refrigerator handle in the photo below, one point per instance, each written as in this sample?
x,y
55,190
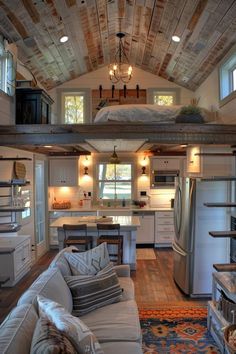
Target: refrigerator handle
x,y
177,250
192,213
177,211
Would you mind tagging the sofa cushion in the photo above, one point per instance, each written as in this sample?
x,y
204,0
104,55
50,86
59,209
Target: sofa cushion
x,y
17,330
60,261
52,285
74,328
94,291
47,339
116,322
89,262
122,347
128,288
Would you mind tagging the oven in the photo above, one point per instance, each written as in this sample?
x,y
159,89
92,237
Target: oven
x,y
233,241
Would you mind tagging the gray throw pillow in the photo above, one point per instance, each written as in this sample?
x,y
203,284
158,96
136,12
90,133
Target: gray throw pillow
x,y
89,262
77,332
94,291
47,339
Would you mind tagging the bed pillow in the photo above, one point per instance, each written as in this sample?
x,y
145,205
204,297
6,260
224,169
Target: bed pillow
x,y
47,339
94,291
89,262
77,332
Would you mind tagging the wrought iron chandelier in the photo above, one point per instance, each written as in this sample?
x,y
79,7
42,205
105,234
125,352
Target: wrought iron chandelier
x,y
120,70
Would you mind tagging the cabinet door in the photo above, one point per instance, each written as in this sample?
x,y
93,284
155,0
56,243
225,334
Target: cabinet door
x,y
145,233
63,172
165,164
22,257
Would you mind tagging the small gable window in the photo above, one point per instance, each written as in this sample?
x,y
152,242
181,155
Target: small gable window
x,y
227,78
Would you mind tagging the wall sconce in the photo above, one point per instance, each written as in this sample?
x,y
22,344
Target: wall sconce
x,y
144,173
86,171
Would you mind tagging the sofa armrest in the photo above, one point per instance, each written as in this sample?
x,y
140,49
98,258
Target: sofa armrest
x,y
122,270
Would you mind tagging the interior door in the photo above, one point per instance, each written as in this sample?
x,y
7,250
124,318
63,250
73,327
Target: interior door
x,y
40,208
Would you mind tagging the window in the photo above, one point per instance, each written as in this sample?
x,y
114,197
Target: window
x,y
7,71
163,97
227,78
74,106
115,181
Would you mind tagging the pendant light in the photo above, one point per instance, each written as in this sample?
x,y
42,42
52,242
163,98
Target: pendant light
x,y
114,157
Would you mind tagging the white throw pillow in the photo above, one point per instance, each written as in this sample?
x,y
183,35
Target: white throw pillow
x,y
89,262
77,332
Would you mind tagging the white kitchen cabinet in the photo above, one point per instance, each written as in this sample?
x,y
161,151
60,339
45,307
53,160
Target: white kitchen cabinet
x,y
15,257
63,172
165,163
215,161
164,228
145,233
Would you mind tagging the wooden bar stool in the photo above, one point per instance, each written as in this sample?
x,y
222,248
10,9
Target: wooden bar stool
x,y
112,239
79,239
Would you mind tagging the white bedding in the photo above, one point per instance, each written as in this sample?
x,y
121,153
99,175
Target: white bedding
x,y
138,113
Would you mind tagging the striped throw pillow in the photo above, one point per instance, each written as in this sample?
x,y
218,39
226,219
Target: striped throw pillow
x,y
89,262
76,330
94,291
47,339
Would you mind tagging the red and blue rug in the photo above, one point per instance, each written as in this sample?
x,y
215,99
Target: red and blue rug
x,y
176,330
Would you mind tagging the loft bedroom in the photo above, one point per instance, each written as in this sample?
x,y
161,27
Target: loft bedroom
x,y
183,72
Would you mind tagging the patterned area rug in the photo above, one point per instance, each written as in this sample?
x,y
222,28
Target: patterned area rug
x,y
177,330
145,254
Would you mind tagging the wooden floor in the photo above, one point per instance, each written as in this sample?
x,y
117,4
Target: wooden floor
x,y
154,284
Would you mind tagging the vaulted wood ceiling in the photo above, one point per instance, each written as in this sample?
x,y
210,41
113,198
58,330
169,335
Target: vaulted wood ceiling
x,y
206,27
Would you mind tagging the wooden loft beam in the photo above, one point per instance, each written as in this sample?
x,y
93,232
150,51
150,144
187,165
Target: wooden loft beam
x,y
38,134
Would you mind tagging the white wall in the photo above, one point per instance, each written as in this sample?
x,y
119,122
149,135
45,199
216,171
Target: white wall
x,y
100,77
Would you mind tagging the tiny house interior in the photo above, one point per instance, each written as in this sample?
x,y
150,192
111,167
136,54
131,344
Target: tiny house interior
x,y
122,110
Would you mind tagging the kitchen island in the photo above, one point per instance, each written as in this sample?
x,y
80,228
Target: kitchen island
x,y
128,228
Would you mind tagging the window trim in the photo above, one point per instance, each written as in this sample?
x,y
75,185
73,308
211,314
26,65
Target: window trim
x,y
87,103
115,181
175,91
225,70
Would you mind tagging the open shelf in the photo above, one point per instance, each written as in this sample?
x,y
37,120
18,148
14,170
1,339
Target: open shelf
x,y
9,227
222,233
225,267
219,205
14,158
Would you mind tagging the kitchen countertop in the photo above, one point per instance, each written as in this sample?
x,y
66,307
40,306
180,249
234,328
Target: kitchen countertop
x,y
124,221
112,208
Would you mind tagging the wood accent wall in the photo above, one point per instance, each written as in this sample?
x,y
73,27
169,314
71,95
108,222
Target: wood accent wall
x,y
132,96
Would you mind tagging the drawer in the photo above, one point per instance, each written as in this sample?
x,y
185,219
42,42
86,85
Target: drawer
x,y
164,214
165,228
165,221
166,236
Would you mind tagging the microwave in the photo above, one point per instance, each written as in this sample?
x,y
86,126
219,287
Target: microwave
x,y
163,178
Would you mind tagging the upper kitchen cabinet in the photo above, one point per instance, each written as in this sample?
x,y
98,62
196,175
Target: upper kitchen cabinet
x,y
204,161
165,164
63,172
33,106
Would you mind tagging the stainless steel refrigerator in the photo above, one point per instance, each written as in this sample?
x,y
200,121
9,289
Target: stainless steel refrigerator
x,y
195,251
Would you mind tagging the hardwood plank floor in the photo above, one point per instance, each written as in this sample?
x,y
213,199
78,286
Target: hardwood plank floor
x,y
154,284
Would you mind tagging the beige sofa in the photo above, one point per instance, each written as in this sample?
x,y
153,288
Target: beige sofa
x,y
116,326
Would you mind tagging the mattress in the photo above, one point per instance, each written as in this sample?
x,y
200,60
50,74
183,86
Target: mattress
x,y
138,113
